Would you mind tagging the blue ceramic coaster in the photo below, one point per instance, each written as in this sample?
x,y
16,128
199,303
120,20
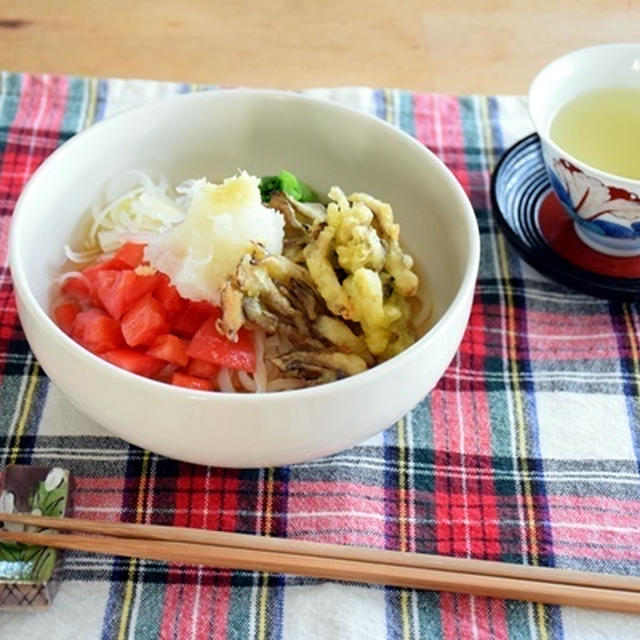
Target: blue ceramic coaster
x,y
537,226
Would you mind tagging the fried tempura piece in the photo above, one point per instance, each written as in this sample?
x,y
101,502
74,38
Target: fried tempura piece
x,y
251,293
360,240
337,298
320,366
231,300
300,217
398,263
383,213
401,332
273,293
357,244
339,334
324,276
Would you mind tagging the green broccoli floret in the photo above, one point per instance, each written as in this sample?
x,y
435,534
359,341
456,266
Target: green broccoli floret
x,y
287,182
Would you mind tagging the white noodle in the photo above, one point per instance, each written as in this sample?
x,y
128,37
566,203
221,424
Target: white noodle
x,y
80,256
71,274
224,380
99,216
126,180
60,280
260,376
133,203
247,381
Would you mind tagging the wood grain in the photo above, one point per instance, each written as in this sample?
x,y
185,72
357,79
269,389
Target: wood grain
x,y
163,533
410,570
454,46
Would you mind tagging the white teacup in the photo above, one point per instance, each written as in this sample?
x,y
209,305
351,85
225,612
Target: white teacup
x,y
605,207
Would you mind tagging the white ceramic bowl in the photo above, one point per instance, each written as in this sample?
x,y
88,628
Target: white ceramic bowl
x,y
214,134
605,208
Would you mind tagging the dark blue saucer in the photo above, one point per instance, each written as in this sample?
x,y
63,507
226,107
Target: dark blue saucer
x,y
537,226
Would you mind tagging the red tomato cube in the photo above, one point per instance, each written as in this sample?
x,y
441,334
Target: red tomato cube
x,y
96,331
202,368
65,314
191,317
118,291
209,345
141,363
185,323
168,295
203,308
78,288
131,254
111,264
144,322
191,382
171,349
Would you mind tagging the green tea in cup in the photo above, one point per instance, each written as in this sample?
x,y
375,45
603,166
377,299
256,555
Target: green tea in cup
x,y
585,107
601,127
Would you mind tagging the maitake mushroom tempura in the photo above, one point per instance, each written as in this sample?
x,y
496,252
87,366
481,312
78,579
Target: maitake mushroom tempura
x,y
247,285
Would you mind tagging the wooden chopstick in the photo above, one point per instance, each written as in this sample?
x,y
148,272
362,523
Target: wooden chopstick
x,y
394,568
323,550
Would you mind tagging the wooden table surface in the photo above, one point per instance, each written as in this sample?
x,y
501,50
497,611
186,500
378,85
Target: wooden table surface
x,y
454,46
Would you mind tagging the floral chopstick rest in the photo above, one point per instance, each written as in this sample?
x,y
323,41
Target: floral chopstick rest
x,y
29,575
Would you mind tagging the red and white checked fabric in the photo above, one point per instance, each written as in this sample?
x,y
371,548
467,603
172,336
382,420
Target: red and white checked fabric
x,y
527,451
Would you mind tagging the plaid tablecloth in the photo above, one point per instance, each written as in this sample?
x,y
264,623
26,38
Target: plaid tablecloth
x,y
528,450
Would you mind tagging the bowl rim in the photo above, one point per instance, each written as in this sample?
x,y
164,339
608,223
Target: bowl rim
x,y
457,304
542,131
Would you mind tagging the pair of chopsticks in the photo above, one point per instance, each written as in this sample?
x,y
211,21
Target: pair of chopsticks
x,y
354,564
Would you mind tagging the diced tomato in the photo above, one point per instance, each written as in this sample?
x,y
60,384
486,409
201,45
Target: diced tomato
x,y
118,291
202,368
186,323
112,264
92,295
131,254
77,287
168,295
203,308
96,331
153,317
65,314
135,361
192,316
166,373
144,322
209,345
171,349
191,382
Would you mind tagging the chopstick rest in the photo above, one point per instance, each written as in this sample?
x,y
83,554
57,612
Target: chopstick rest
x,y
29,574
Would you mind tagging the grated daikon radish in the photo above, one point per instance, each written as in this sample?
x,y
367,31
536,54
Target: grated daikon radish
x,y
221,223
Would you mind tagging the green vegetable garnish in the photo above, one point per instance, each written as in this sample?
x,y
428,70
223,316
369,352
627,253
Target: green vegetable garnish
x,y
287,182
